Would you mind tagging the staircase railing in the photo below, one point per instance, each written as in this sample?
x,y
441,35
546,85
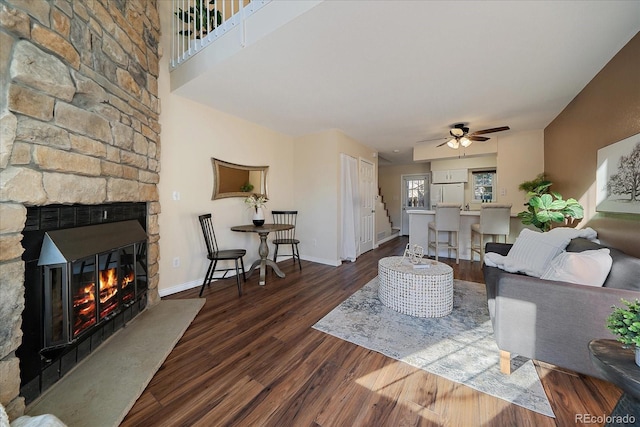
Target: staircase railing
x,y
197,23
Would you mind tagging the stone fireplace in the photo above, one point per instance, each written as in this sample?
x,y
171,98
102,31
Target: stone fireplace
x,y
78,127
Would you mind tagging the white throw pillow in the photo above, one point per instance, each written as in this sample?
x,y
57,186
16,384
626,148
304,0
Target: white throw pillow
x,y
584,268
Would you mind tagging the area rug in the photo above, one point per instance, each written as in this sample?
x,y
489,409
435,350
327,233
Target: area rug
x,y
92,394
459,347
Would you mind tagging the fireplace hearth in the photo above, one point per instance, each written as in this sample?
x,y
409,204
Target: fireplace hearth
x,y
85,278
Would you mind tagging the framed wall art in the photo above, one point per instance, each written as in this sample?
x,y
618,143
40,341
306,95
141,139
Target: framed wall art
x,y
618,177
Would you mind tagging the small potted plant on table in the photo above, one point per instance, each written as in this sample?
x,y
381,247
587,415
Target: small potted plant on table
x,y
625,323
257,202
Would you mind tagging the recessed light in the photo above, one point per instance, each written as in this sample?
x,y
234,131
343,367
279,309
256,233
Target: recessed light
x,y
396,151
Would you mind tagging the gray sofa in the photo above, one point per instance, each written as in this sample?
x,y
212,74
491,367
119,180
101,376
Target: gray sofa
x,y
554,321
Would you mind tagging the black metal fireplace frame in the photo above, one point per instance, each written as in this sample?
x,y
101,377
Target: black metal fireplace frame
x,y
67,250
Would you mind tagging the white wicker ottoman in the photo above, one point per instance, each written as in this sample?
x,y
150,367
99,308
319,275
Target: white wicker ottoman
x,y
420,292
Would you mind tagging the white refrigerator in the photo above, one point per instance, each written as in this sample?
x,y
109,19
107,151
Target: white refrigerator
x,y
447,193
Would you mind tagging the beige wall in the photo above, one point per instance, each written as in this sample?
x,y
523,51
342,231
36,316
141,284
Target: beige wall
x,y
357,150
390,183
430,152
317,191
470,163
316,187
607,110
487,161
192,134
520,158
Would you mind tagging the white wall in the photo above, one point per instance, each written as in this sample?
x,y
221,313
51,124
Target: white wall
x,y
191,135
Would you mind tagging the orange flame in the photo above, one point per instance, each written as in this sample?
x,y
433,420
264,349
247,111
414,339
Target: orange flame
x,y
108,284
84,306
84,302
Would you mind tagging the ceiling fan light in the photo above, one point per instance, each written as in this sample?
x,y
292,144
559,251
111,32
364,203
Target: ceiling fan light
x,y
465,142
453,143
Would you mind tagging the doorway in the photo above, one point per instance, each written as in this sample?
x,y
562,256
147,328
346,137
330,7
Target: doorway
x,y
415,196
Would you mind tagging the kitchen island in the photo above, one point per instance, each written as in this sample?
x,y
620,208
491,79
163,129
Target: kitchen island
x,y
419,222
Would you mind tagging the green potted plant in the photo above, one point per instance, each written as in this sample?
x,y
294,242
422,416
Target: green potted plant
x,y
625,323
545,207
202,18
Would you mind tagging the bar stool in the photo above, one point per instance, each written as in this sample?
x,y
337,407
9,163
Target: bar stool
x,y
447,220
494,221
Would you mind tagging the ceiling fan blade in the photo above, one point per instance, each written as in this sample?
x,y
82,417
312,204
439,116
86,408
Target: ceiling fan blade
x,y
440,145
492,130
478,138
434,139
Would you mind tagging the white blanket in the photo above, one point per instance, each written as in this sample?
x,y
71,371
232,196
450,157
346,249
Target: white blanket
x,y
533,251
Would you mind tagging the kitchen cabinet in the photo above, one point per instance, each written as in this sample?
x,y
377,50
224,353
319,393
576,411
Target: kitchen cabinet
x,y
449,176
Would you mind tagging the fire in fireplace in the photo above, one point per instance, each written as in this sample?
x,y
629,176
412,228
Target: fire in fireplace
x,y
90,274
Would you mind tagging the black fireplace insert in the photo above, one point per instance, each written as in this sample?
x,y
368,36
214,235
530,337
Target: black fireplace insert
x,y
90,274
85,278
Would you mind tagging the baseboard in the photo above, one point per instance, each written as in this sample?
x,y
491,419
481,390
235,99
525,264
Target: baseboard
x,y
179,288
388,238
198,282
331,262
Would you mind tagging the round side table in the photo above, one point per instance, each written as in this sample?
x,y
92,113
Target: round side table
x,y
618,366
420,292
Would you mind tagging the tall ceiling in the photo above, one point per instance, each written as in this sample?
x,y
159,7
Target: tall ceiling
x,y
391,73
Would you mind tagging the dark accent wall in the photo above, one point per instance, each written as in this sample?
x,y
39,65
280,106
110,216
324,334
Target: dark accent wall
x,y
606,111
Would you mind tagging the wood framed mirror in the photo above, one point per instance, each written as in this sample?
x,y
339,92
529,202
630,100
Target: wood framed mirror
x,y
233,180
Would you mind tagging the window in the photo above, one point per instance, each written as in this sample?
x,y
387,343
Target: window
x,y
483,188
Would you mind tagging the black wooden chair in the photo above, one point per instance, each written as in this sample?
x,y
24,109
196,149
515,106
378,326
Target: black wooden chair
x,y
214,254
286,237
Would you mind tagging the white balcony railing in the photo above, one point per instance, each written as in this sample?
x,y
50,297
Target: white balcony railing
x,y
197,23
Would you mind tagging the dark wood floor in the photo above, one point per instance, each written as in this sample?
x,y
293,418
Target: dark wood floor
x,y
256,361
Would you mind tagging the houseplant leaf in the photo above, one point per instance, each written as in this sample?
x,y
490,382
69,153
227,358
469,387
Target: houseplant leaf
x,y
545,201
625,322
545,207
557,205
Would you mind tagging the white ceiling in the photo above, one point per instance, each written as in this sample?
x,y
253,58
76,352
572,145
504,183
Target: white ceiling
x,y
391,73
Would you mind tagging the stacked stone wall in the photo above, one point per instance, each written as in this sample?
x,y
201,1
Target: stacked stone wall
x,y
79,114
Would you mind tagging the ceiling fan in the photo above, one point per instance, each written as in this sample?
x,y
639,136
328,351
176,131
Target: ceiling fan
x,y
460,135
